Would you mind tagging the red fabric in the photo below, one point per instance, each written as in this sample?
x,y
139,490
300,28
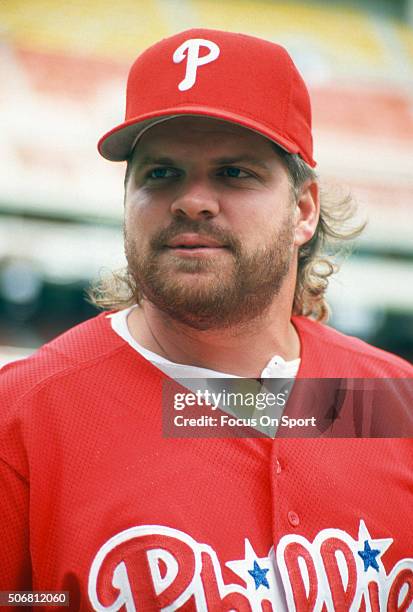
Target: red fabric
x,y
94,497
326,353
252,82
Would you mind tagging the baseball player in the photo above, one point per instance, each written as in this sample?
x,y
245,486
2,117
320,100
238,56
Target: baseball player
x,y
223,230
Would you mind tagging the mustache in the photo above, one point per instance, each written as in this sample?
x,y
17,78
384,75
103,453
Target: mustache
x,y
224,237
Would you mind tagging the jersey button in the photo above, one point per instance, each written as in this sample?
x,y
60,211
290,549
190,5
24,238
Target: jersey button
x,y
277,467
293,518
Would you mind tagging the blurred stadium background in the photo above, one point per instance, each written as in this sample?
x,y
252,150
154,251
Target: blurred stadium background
x,y
63,67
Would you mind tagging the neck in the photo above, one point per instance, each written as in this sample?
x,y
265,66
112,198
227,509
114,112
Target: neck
x,y
242,351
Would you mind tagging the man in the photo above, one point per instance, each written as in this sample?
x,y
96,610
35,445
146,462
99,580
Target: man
x,y
223,230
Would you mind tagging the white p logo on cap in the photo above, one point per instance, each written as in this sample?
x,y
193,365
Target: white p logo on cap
x,y
190,50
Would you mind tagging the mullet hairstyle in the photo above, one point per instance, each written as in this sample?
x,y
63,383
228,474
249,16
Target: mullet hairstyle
x,y
318,259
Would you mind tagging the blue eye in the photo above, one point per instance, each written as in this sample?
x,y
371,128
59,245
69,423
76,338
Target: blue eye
x,y
161,173
234,172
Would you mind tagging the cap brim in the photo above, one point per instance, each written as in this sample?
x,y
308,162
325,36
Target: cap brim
x,y
118,144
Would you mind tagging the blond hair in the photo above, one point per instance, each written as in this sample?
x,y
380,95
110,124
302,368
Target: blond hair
x,y
319,258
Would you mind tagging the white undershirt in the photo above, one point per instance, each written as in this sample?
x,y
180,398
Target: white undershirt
x,y
277,367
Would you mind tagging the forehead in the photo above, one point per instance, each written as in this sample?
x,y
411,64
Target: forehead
x,y
205,134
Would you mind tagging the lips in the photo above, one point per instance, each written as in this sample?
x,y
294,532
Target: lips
x,y
194,241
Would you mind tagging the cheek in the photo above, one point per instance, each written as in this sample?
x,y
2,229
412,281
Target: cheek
x,y
137,200
137,228
259,221
140,209
144,219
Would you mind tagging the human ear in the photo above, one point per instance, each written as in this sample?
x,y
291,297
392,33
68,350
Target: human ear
x,y
307,212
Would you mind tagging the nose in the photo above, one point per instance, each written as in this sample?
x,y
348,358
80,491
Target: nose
x,y
196,200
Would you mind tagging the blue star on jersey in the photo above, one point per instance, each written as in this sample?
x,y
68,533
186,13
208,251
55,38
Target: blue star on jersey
x,y
369,556
259,576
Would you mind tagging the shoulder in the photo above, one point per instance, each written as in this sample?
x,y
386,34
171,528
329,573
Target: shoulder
x,y
86,376
39,384
87,361
326,352
77,348
87,357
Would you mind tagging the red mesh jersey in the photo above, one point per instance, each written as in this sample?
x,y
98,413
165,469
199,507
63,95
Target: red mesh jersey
x,y
95,501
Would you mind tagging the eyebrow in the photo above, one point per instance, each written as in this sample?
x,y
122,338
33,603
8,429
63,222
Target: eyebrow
x,y
161,161
148,160
221,161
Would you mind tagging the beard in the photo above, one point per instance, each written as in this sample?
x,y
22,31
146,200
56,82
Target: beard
x,y
211,292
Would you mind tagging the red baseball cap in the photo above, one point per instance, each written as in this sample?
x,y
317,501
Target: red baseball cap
x,y
234,77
